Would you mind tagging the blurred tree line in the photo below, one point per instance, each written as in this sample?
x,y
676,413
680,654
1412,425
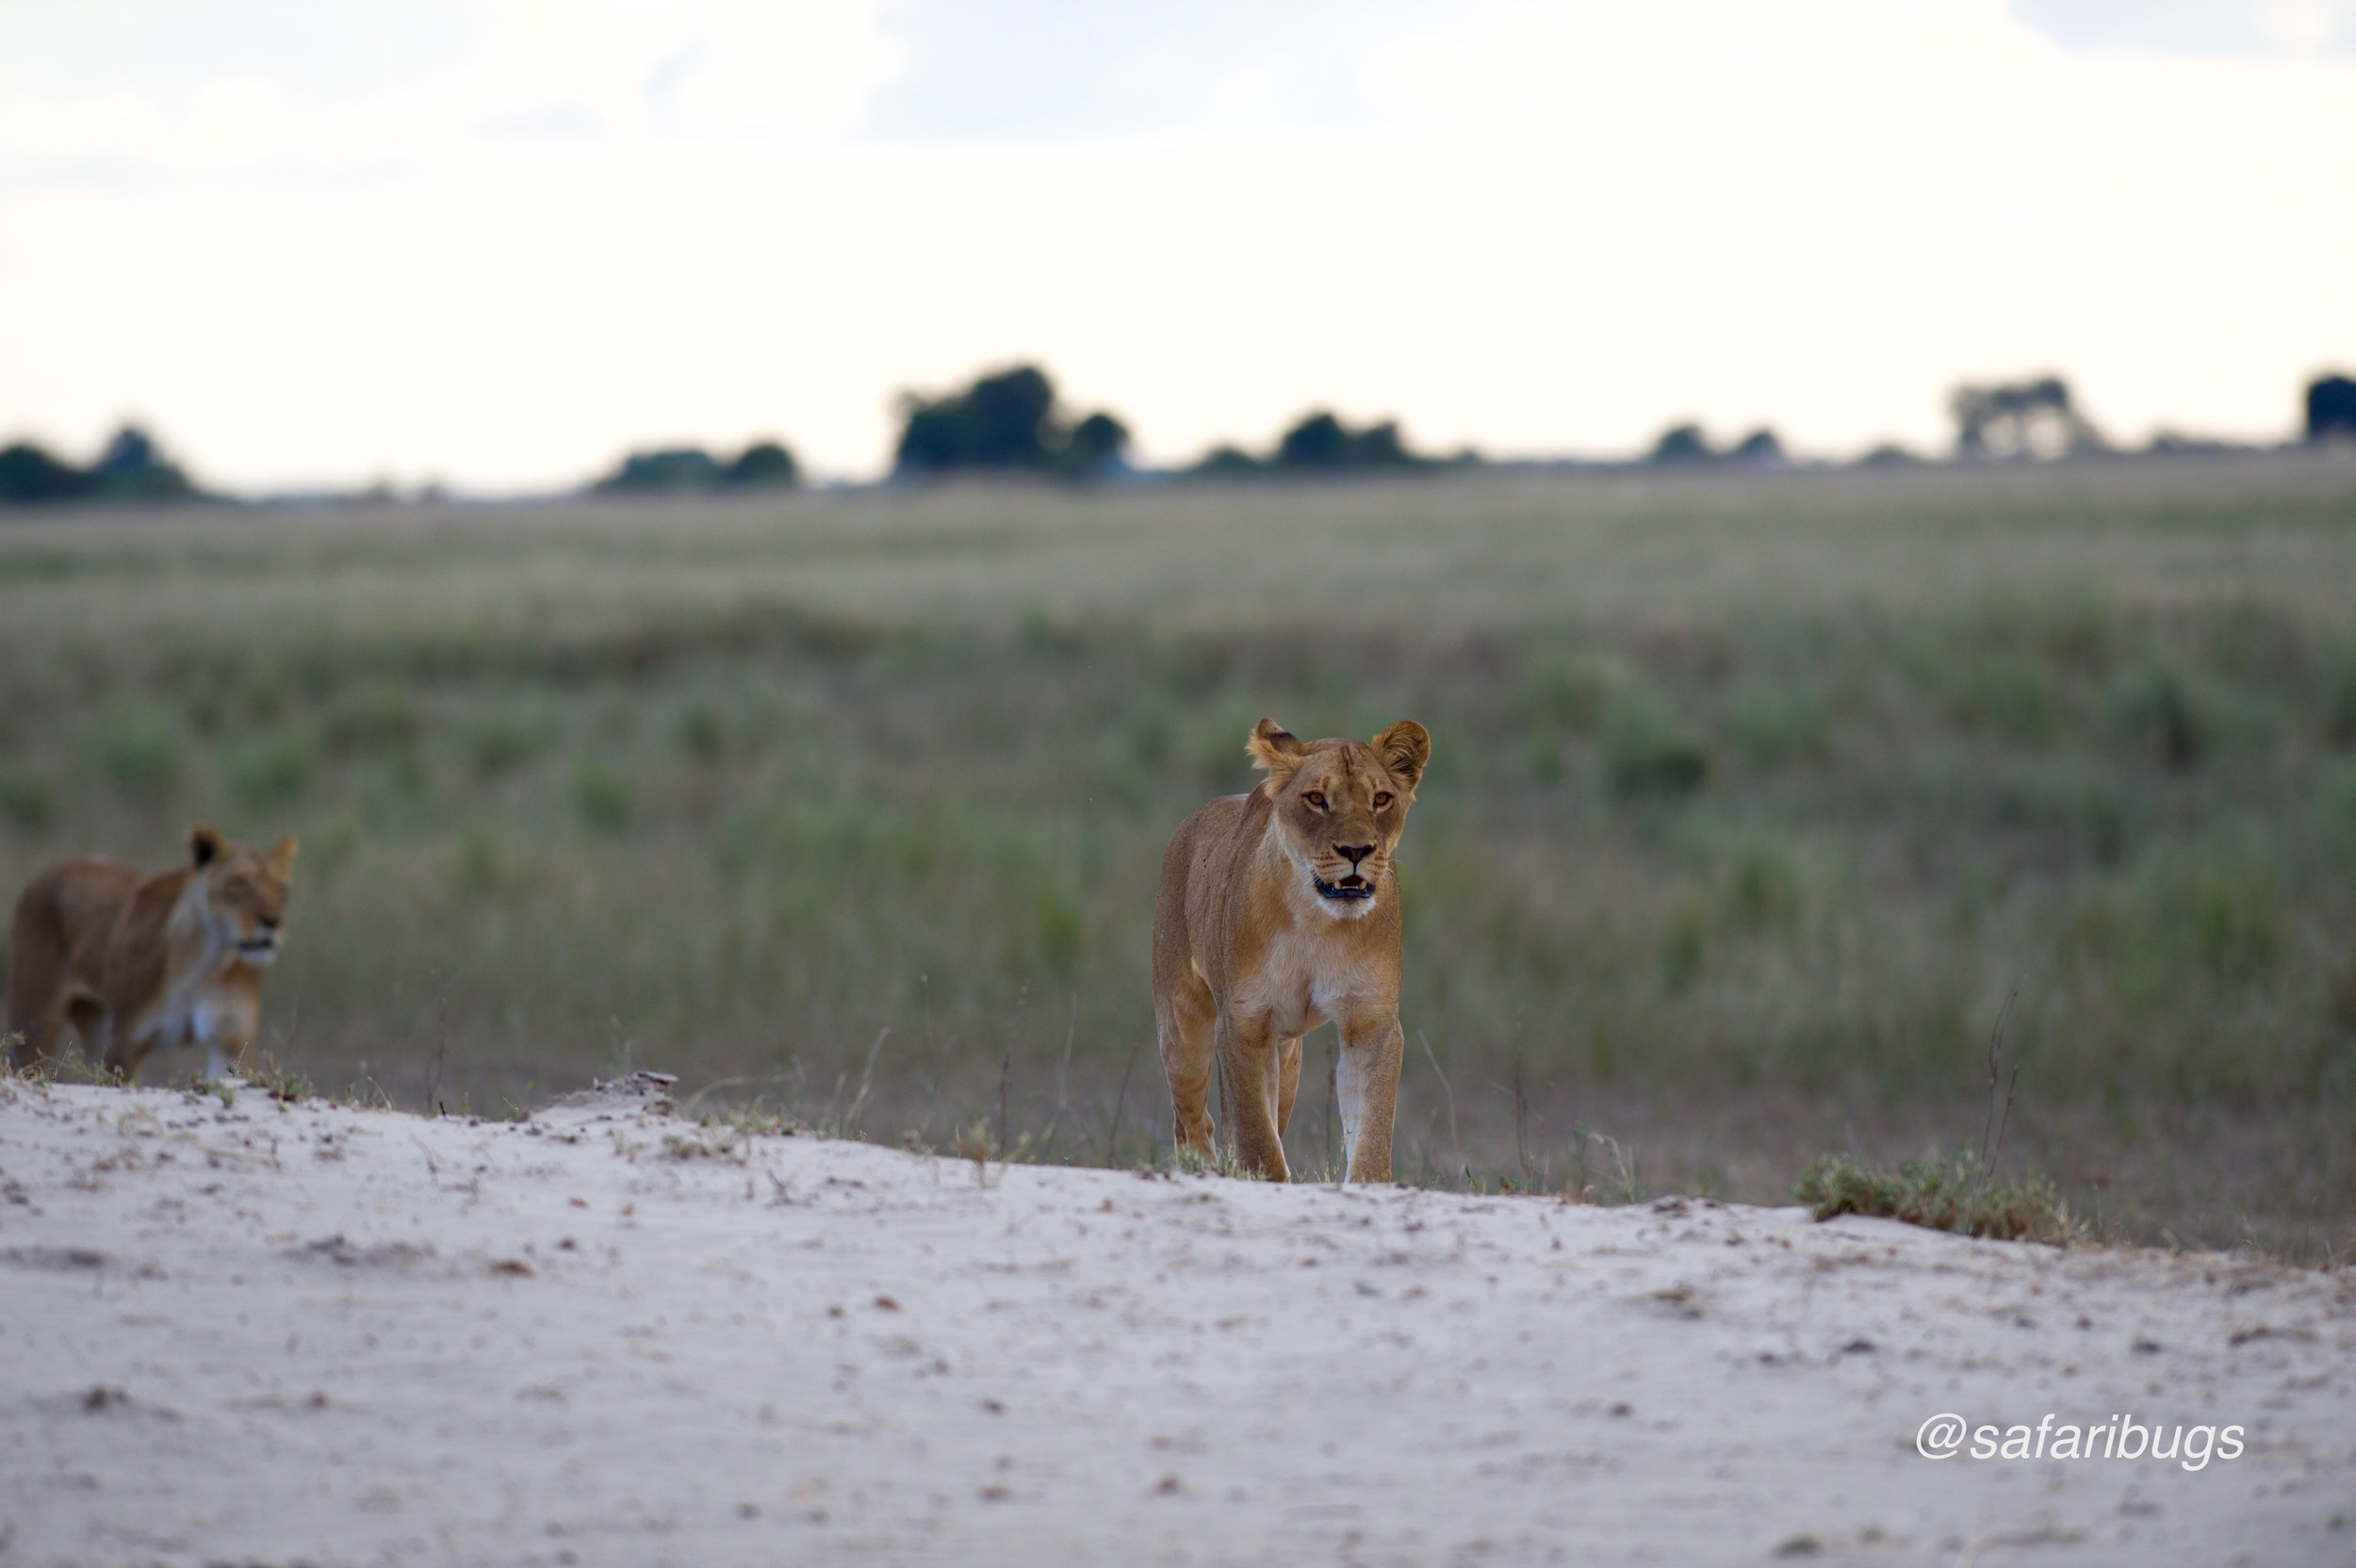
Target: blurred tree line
x,y
130,468
1012,421
1687,445
1319,442
762,465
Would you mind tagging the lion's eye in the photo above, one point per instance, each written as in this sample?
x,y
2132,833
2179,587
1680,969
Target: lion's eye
x,y
1382,798
1315,798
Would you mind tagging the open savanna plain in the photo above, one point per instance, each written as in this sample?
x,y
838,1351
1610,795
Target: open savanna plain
x,y
1755,804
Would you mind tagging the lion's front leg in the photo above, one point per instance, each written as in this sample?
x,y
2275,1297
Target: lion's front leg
x,y
123,1050
1248,1072
1367,1084
226,1028
1287,1083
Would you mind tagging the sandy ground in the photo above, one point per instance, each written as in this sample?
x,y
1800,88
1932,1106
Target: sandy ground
x,y
320,1334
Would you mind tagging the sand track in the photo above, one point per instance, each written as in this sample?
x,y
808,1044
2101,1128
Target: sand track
x,y
320,1334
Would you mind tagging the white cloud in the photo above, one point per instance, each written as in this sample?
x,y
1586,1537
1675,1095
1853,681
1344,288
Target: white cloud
x,y
2306,24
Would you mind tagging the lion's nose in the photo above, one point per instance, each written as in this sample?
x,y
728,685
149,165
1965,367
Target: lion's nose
x,y
1353,853
268,922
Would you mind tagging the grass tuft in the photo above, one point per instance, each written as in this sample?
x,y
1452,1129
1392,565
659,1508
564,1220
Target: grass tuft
x,y
1958,1195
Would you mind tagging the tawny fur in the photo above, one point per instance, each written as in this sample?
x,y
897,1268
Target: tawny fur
x,y
134,962
1265,928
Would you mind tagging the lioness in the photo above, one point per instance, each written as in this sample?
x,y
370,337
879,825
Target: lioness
x,y
137,959
1279,910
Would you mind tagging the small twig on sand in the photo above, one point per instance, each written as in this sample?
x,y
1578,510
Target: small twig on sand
x,y
866,1076
1995,1063
932,1056
1450,1093
1521,1118
1063,1080
441,1045
1112,1138
1006,1065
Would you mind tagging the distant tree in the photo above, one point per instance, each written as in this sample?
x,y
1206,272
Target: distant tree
x,y
29,476
1005,421
1316,441
1096,444
1319,442
2030,418
1761,449
1682,444
2330,408
671,469
1888,455
763,465
1227,461
131,468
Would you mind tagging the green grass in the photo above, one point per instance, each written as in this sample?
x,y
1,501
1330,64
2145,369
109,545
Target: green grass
x,y
1751,799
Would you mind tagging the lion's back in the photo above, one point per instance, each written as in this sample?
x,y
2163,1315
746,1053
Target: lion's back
x,y
1197,864
69,911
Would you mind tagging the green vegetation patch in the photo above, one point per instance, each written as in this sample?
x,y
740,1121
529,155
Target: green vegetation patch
x,y
1957,1195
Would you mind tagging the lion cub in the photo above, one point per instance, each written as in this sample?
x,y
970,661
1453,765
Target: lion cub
x,y
1277,911
137,959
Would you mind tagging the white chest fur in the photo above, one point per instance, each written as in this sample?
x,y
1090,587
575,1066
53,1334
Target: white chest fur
x,y
216,1017
1303,982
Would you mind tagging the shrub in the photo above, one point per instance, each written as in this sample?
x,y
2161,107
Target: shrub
x,y
2339,695
2222,912
500,739
2335,806
135,744
1565,696
2150,707
1763,892
379,716
1774,723
1648,753
273,769
700,734
603,795
2013,696
26,802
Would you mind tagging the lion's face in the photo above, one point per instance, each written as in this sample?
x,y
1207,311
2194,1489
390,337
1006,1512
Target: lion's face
x,y
1342,805
244,892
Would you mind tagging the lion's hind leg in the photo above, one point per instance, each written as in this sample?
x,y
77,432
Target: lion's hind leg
x,y
1184,1022
42,995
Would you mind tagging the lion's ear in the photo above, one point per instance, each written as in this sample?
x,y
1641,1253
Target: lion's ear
x,y
1404,748
1277,749
205,845
281,857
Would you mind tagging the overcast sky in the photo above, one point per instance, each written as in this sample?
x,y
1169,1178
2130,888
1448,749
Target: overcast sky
x,y
497,243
